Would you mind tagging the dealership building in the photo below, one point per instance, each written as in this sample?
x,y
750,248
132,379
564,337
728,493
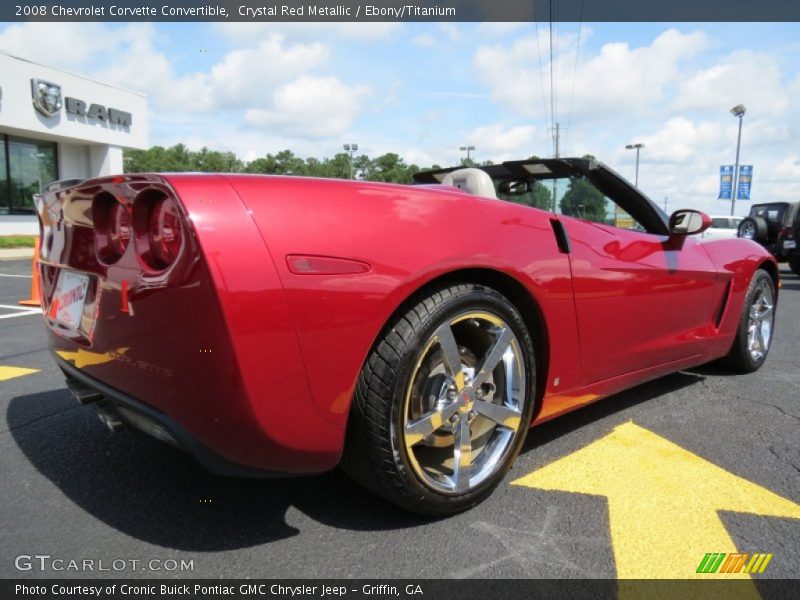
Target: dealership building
x,y
58,125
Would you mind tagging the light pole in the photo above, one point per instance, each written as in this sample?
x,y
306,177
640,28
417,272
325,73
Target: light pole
x,y
351,149
468,149
737,111
636,147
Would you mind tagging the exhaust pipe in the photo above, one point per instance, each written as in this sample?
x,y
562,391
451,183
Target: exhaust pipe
x,y
83,393
109,416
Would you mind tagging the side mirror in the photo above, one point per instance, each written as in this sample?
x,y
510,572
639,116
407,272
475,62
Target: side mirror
x,y
688,221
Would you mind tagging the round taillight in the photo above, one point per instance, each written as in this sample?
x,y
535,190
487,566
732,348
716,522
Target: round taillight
x,y
113,227
165,234
119,228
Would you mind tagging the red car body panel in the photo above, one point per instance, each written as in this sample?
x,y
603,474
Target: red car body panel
x,y
259,362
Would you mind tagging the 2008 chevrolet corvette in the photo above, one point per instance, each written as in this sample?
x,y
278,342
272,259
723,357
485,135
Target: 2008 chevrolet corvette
x,y
281,325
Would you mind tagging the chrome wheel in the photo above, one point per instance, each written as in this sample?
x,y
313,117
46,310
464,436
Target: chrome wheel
x,y
762,315
747,230
462,409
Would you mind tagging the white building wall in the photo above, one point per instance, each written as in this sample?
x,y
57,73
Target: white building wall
x,y
73,161
105,160
17,111
87,147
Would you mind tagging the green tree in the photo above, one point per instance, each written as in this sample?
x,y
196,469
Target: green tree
x,y
390,167
211,161
540,196
583,200
282,163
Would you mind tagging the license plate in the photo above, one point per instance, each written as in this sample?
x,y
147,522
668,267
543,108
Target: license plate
x,y
789,244
67,305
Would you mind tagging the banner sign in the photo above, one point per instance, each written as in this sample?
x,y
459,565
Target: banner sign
x,y
745,179
725,182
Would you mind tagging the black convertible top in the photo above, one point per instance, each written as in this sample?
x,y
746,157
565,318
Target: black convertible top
x,y
605,179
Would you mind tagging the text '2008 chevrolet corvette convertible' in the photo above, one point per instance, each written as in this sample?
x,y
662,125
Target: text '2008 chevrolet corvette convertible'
x,y
282,325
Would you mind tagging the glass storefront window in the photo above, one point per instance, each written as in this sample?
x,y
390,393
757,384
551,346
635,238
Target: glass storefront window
x,y
28,165
4,187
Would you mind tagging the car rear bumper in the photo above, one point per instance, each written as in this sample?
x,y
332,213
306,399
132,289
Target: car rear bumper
x,y
116,407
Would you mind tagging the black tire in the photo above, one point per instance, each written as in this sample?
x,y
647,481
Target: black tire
x,y
754,228
740,358
794,262
375,455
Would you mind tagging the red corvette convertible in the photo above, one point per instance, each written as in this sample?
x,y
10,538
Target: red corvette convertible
x,y
281,325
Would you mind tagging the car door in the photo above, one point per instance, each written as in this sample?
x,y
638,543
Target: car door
x,y
642,298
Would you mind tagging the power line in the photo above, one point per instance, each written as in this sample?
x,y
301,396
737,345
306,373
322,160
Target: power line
x,y
541,70
552,77
574,75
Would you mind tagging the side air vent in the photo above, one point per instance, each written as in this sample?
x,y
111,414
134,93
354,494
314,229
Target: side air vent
x,y
722,305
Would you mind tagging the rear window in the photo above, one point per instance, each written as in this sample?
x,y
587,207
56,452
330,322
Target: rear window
x,y
769,212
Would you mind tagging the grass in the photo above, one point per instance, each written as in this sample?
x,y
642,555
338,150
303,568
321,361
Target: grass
x,y
17,241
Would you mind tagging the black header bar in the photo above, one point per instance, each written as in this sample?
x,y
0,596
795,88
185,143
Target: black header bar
x,y
402,10
389,589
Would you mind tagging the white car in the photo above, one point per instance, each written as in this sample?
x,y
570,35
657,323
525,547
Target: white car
x,y
722,226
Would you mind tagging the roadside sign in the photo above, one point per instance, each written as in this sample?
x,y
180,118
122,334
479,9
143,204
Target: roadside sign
x,y
745,179
725,182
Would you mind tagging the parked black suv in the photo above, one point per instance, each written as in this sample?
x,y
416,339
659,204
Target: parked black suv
x,y
776,226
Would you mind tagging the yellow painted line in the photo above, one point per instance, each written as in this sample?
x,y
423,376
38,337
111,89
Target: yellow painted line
x,y
662,501
86,358
7,373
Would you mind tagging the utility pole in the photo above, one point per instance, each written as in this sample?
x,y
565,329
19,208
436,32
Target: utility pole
x,y
737,111
468,149
556,141
665,204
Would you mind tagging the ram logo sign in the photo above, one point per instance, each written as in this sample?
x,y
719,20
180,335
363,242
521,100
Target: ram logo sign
x,y
720,562
46,97
47,100
98,111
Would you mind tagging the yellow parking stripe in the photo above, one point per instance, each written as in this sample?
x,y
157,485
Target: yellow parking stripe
x,y
663,502
7,373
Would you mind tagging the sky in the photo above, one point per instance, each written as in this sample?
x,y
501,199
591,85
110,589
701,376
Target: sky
x,y
425,89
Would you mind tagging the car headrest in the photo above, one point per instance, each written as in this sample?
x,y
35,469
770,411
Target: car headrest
x,y
472,181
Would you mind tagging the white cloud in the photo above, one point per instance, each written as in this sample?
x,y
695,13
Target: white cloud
x,y
499,142
746,76
681,140
617,80
311,107
498,29
424,39
138,65
790,167
249,33
244,76
451,30
67,45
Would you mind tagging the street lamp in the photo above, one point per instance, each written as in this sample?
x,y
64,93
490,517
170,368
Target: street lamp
x,y
351,149
636,147
737,111
466,149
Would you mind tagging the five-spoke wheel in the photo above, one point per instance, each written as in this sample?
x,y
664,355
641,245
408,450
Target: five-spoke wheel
x,y
759,328
443,404
463,405
756,325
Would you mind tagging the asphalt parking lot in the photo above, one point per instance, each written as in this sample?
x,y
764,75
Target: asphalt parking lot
x,y
706,457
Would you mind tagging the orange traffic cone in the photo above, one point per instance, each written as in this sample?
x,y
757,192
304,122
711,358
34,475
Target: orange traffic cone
x,y
35,299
